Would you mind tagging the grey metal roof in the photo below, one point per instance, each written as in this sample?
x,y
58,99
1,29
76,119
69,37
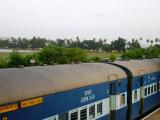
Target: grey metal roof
x,y
140,67
23,83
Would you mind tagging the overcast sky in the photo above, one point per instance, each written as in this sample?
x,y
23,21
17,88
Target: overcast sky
x,y
84,18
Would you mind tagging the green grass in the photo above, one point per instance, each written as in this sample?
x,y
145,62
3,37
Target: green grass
x,y
102,55
3,54
6,54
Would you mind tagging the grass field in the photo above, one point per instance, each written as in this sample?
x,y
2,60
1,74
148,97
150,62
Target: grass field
x,y
5,54
102,55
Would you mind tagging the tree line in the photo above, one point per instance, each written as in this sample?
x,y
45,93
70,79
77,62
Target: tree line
x,y
52,55
49,55
119,45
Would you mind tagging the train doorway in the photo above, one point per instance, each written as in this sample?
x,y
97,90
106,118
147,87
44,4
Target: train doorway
x,y
141,79
112,101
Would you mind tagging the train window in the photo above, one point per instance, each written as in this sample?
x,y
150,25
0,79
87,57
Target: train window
x,y
119,83
83,114
148,90
55,117
151,89
122,100
155,87
74,115
135,95
145,91
92,112
99,108
63,116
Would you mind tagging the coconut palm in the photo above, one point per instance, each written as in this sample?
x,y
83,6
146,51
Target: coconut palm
x,y
147,40
156,40
151,42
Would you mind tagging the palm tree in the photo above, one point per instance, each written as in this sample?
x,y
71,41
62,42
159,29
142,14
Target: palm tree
x,y
152,42
147,40
156,40
140,38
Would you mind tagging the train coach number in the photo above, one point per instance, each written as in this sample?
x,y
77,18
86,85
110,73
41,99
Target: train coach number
x,y
88,95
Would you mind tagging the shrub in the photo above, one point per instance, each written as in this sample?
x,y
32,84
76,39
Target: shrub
x,y
74,55
112,57
152,52
4,62
133,54
15,59
50,55
58,55
96,59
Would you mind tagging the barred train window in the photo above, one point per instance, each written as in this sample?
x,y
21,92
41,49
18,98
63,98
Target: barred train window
x,y
145,92
122,99
99,108
155,87
83,114
149,90
74,115
63,116
92,112
135,95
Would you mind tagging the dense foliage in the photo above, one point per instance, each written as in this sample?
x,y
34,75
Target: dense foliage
x,y
90,44
64,51
49,55
139,53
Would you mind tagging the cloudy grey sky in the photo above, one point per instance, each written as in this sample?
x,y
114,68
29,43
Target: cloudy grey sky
x,y
84,18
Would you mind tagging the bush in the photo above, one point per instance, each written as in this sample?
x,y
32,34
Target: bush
x,y
50,55
58,55
4,62
15,59
96,59
150,52
112,57
31,57
74,55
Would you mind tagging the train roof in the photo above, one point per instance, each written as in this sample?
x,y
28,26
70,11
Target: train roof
x,y
23,83
141,67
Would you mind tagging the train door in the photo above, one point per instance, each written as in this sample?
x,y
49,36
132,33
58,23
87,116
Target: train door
x,y
141,80
112,102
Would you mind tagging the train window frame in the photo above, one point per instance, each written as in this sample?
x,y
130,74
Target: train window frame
x,y
92,115
155,87
149,90
82,108
55,117
99,112
145,91
122,99
135,95
73,111
152,91
159,85
63,116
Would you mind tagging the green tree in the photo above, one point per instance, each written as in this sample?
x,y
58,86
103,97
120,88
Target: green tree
x,y
15,59
134,44
112,57
119,45
51,54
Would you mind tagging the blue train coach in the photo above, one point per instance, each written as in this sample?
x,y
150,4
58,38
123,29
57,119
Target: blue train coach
x,y
122,90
